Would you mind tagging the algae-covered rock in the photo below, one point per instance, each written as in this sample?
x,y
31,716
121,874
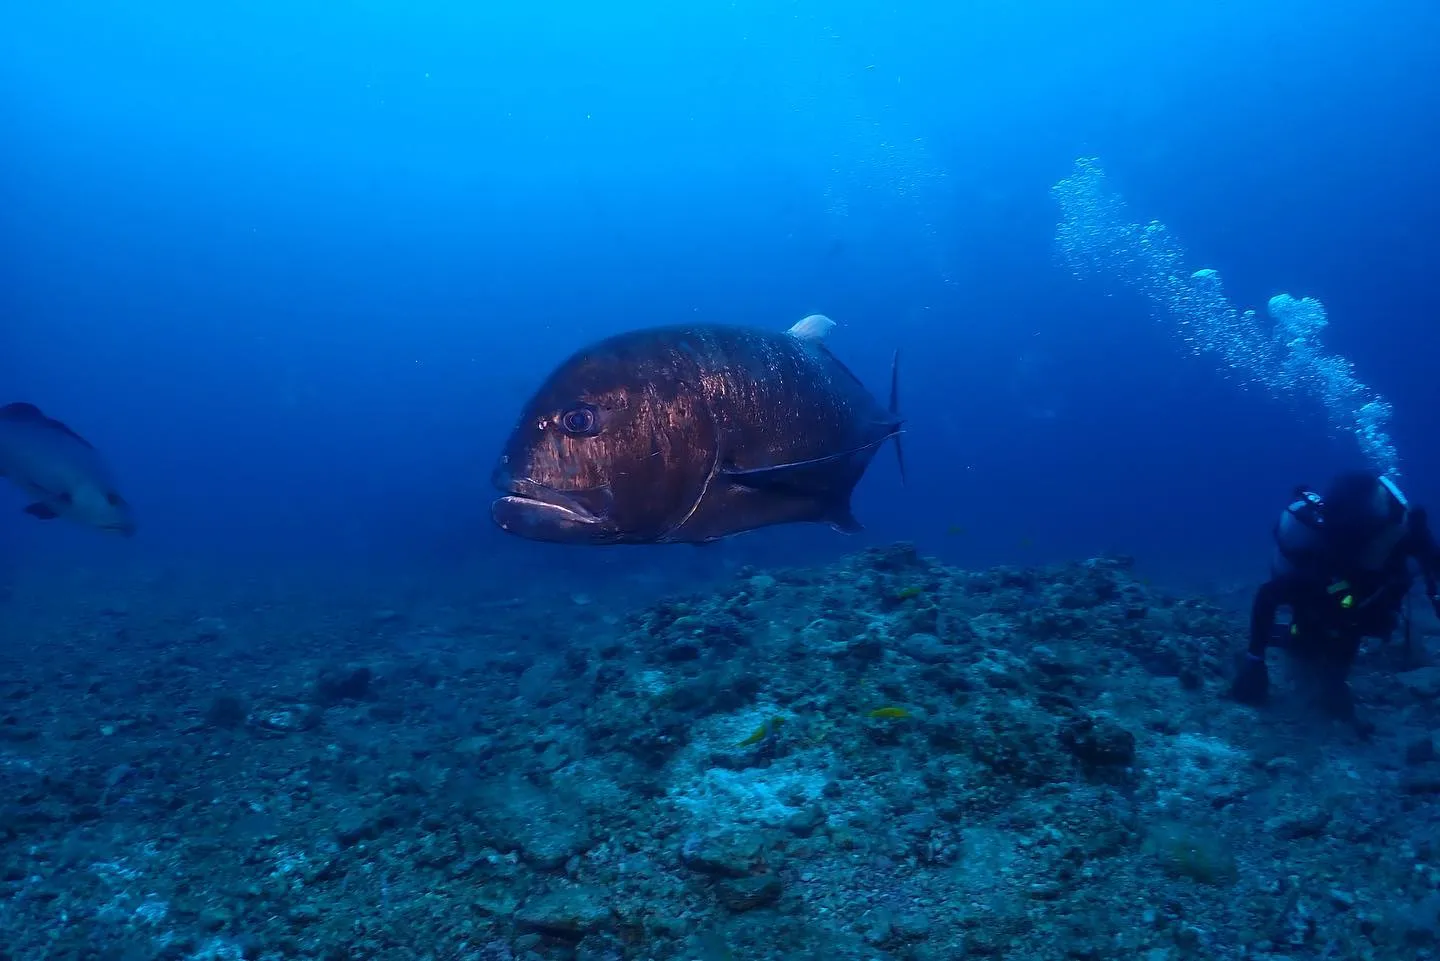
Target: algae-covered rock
x,y
749,893
926,648
569,912
1307,822
968,764
732,854
1098,742
1423,682
547,844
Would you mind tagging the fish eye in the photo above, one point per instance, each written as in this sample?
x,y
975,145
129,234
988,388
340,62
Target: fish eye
x,y
114,499
579,421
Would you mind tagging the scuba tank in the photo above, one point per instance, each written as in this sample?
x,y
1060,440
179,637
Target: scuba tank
x,y
1354,530
1299,534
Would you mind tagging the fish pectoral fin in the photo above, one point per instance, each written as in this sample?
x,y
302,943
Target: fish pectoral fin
x,y
41,511
813,476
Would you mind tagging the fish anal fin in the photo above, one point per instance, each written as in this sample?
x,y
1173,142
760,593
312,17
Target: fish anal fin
x,y
843,520
41,511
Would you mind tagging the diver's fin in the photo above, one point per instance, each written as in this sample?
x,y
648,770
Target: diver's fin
x,y
23,413
814,327
41,511
895,410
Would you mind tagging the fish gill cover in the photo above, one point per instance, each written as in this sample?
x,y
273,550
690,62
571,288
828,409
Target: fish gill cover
x,y
280,277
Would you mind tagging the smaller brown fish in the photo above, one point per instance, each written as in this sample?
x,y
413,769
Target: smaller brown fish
x,y
61,470
689,434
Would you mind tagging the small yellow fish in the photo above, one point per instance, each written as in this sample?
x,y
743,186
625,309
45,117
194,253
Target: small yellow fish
x,y
907,593
765,729
888,713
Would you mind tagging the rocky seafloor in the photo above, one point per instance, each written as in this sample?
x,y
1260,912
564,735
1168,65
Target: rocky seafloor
x,y
881,759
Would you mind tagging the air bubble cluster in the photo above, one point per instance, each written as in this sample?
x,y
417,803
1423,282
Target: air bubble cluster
x,y
1281,353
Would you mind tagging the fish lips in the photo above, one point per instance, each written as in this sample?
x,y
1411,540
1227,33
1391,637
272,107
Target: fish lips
x,y
542,513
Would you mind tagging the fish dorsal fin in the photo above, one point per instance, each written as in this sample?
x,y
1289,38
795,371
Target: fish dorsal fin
x,y
23,413
814,327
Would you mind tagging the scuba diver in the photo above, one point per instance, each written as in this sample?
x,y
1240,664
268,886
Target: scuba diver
x,y
1342,569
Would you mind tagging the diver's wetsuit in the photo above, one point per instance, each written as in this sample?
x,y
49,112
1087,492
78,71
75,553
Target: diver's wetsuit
x,y
1332,611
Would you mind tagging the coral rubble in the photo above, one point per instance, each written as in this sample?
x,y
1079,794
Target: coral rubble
x,y
881,759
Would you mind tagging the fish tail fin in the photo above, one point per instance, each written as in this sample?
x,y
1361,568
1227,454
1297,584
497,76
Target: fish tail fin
x,y
895,410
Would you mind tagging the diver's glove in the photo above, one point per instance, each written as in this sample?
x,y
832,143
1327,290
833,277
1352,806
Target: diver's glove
x,y
1252,680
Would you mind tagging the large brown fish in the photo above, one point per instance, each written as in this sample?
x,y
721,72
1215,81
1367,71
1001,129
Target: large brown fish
x,y
690,434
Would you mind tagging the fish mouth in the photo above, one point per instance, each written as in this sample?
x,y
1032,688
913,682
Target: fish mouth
x,y
543,513
525,493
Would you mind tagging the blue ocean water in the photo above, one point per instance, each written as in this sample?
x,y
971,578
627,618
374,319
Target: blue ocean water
x,y
294,267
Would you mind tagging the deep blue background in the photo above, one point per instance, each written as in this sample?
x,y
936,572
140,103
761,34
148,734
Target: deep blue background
x,y
293,266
